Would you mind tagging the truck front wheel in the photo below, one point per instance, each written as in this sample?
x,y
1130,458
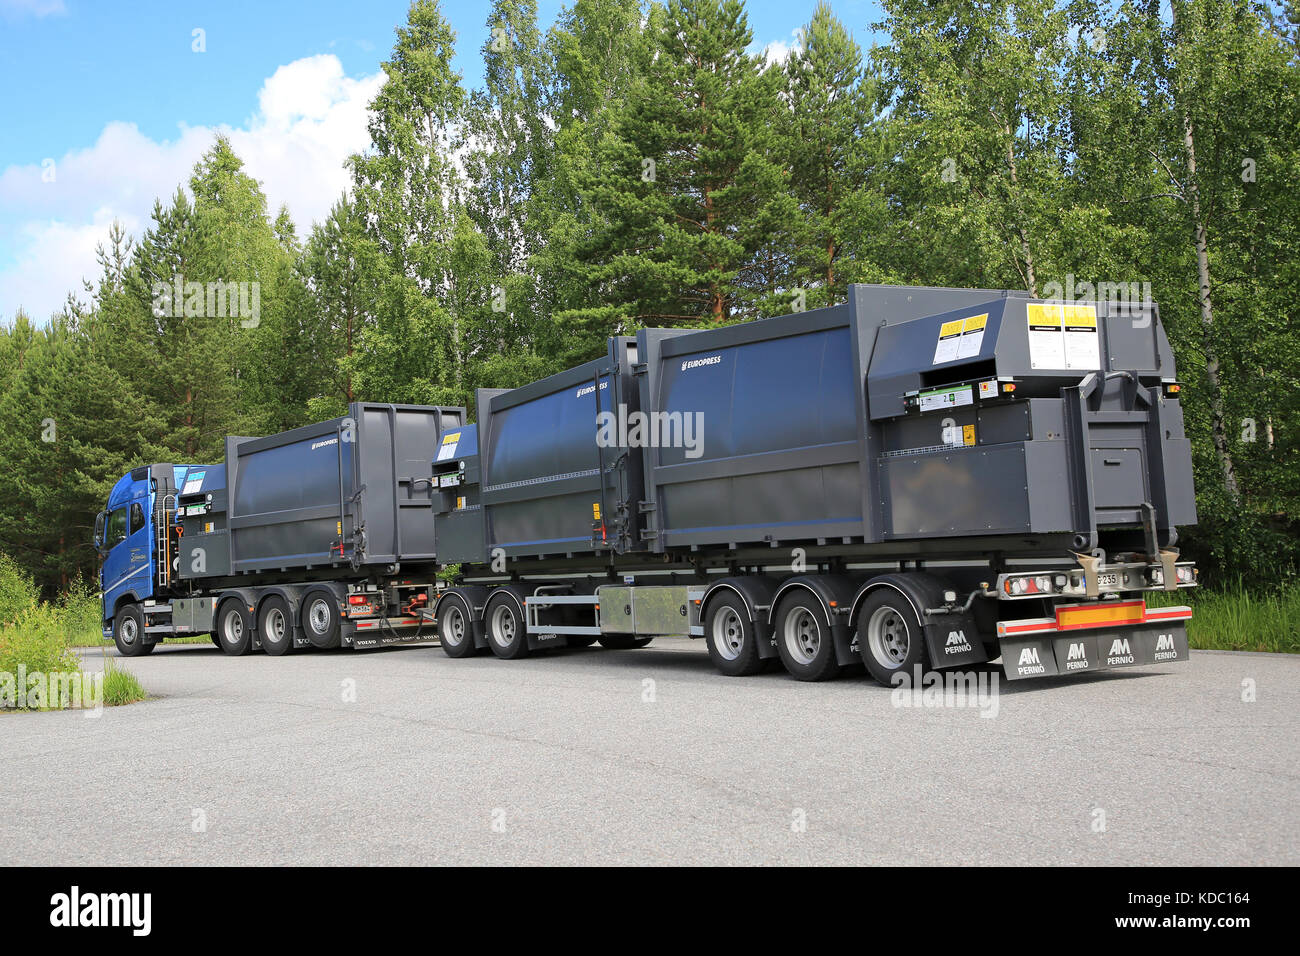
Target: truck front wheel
x,y
128,632
234,629
889,636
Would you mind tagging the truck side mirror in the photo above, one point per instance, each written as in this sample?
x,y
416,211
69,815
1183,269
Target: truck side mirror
x,y
99,530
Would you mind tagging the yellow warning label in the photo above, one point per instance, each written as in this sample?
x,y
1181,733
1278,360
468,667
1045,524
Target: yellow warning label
x,y
340,524
448,439
1045,314
950,328
1080,317
460,503
968,434
595,511
975,323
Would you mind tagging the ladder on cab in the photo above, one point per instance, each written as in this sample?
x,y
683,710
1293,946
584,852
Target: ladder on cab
x,y
162,531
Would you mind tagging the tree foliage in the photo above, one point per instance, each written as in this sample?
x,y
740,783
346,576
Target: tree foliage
x,y
641,164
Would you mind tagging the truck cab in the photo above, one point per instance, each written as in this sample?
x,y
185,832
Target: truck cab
x,y
135,536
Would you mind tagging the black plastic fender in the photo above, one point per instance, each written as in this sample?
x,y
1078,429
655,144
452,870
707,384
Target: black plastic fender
x,y
249,597
952,638
757,592
521,593
292,594
476,596
835,593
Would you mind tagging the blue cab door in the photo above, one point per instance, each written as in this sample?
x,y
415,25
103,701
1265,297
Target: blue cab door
x,y
127,568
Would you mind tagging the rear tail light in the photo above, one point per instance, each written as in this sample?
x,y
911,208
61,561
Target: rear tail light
x,y
358,599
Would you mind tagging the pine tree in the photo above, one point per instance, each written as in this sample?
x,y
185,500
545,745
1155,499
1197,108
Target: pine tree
x,y
691,199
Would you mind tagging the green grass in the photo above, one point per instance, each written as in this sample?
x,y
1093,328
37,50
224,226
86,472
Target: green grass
x,y
1235,620
120,685
39,637
34,644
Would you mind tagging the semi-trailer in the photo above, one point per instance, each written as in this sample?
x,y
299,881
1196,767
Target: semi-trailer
x,y
914,478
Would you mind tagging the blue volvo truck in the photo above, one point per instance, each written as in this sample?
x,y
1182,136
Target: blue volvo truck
x,y
320,536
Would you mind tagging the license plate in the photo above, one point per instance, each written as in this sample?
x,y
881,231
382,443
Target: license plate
x,y
1108,579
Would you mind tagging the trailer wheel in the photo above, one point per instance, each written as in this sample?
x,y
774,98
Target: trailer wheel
x,y
731,638
623,642
454,628
320,619
505,630
804,640
234,628
128,632
275,626
889,636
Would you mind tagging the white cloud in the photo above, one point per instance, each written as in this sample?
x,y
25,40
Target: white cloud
x,y
310,117
778,51
12,9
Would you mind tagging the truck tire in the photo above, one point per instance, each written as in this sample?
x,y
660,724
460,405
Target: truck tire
x,y
804,639
732,638
320,619
889,636
455,627
234,628
623,642
275,626
505,628
128,632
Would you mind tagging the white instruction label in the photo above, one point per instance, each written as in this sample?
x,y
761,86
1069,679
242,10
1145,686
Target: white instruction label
x,y
972,336
448,449
1063,336
193,483
960,338
1046,339
1082,344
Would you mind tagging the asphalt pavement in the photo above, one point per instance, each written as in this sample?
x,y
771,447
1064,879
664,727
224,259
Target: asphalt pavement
x,y
405,756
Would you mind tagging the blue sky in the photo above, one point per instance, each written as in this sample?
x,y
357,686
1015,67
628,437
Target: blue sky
x,y
107,105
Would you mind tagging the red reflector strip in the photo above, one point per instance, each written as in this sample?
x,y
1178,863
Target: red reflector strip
x,y
1028,626
1169,613
1121,614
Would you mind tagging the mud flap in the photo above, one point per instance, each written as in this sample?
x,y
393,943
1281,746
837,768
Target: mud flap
x,y
1099,650
953,641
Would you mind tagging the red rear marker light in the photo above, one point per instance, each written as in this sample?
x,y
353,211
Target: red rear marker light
x,y
357,599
